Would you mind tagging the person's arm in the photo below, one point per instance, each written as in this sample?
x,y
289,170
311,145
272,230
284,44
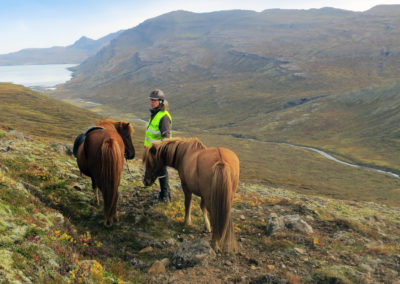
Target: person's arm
x,y
165,127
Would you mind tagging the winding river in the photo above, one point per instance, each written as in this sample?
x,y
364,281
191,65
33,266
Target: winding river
x,y
330,157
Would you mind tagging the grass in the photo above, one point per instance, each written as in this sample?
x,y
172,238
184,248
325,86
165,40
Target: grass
x,y
32,113
42,245
298,169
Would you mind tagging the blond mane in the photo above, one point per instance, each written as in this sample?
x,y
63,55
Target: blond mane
x,y
172,149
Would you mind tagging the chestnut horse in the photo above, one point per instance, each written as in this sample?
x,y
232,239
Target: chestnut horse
x,y
101,157
211,173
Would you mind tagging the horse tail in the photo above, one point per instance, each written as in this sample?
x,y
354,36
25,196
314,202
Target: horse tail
x,y
221,204
111,168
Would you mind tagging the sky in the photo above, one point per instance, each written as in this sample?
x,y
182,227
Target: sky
x,y
47,23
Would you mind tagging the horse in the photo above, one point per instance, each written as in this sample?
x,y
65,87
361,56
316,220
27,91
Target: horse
x,y
211,173
101,157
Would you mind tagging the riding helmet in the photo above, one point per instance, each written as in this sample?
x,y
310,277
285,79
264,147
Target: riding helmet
x,y
157,94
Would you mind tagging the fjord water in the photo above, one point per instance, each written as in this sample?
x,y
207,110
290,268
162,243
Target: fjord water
x,y
44,76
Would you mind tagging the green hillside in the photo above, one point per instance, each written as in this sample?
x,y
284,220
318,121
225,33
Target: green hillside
x,y
360,126
51,230
304,171
28,111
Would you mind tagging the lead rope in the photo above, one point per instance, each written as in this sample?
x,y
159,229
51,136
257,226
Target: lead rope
x,y
127,166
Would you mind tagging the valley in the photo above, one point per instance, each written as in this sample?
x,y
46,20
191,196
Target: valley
x,y
301,99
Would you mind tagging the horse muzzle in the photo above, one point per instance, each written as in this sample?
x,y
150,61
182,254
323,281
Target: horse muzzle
x,y
147,182
129,156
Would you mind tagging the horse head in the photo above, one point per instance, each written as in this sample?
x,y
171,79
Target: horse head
x,y
153,167
125,130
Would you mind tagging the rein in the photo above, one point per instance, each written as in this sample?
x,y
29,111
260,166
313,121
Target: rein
x,y
127,166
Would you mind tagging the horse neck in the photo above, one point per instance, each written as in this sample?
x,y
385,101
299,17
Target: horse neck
x,y
172,157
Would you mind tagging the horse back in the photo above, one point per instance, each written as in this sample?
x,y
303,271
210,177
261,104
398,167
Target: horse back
x,y
197,170
208,157
89,152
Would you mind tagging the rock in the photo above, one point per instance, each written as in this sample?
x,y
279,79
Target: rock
x,y
17,134
228,263
374,245
192,253
146,250
157,268
64,149
78,186
170,242
165,261
267,279
274,223
291,222
295,223
300,250
138,219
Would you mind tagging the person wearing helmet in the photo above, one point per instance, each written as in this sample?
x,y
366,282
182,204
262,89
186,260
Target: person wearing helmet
x,y
158,128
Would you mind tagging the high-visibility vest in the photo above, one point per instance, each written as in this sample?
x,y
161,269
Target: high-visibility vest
x,y
153,133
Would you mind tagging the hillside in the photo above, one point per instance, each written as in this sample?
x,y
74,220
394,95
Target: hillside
x,y
23,109
74,53
299,76
52,231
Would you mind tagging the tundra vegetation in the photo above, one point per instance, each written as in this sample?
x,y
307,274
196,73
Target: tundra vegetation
x,y
51,229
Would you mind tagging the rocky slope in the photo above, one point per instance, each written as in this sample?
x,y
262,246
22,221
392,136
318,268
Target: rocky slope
x,y
52,231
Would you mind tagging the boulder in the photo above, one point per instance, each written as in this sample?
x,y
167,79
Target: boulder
x,y
64,149
192,253
157,268
290,222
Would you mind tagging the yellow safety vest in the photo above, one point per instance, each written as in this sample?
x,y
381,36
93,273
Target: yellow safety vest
x,y
153,133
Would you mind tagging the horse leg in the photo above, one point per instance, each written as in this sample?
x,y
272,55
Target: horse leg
x,y
205,215
215,245
108,222
115,215
188,203
96,191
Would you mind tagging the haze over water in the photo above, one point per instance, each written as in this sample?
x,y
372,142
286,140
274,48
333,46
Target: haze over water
x,y
45,76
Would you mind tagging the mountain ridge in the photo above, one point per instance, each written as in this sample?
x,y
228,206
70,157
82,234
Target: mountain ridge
x,y
77,52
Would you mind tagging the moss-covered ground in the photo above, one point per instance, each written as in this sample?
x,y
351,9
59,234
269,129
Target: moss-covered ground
x,y
51,230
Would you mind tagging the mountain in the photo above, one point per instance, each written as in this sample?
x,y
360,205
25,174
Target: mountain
x,y
277,75
75,53
51,228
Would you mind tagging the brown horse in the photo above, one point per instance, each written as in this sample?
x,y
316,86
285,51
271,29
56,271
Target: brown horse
x,y
101,157
211,173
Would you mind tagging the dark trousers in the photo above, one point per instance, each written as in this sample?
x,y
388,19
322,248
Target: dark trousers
x,y
164,186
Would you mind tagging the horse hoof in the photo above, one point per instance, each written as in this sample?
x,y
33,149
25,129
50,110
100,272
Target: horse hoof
x,y
108,224
206,230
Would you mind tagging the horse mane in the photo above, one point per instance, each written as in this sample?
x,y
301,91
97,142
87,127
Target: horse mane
x,y
172,149
119,126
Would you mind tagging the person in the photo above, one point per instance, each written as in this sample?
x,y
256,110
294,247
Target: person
x,y
159,128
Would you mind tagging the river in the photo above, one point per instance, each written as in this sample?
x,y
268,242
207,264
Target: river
x,y
326,155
